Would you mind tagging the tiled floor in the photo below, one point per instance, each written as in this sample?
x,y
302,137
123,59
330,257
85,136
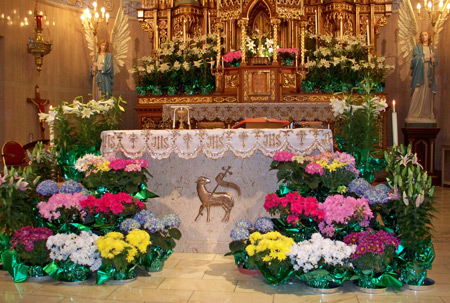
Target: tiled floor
x,y
211,278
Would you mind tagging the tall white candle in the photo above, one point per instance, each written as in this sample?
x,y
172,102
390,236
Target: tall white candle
x,y
316,21
342,28
394,125
51,130
184,31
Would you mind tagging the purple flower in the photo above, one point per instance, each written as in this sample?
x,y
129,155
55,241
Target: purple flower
x,y
129,224
144,215
358,186
264,224
70,187
154,225
244,223
171,221
239,234
377,194
47,188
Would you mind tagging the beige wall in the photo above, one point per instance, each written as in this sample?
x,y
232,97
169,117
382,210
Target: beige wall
x,y
65,70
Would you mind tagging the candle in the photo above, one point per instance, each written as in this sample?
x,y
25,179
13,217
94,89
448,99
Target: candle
x,y
184,31
368,33
157,36
342,28
50,124
39,22
209,23
316,21
222,63
394,125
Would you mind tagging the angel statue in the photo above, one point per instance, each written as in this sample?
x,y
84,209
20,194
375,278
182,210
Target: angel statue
x,y
423,63
106,64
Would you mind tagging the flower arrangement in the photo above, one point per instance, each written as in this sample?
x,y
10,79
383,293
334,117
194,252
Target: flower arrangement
x,y
232,58
343,215
339,64
257,44
120,254
240,239
111,209
77,128
372,258
17,189
62,209
413,212
321,261
357,128
47,188
114,175
299,216
315,176
28,253
44,162
269,253
184,67
163,232
74,256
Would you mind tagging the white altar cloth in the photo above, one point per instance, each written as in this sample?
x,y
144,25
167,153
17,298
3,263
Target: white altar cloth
x,y
178,158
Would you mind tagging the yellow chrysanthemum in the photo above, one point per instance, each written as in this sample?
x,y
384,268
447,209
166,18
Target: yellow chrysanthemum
x,y
104,166
254,237
132,252
322,163
114,235
250,249
298,159
140,239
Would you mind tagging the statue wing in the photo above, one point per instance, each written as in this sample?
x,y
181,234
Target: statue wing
x,y
120,36
408,29
438,27
90,38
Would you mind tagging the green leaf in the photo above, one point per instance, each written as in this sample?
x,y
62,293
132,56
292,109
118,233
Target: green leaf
x,y
175,233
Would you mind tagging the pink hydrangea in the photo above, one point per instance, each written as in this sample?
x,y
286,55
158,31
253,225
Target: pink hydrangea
x,y
60,203
314,168
283,156
118,164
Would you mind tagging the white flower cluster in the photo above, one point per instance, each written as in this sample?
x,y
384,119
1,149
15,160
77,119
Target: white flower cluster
x,y
340,106
83,110
311,254
79,249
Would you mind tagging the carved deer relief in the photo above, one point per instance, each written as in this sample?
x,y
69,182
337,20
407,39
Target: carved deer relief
x,y
208,199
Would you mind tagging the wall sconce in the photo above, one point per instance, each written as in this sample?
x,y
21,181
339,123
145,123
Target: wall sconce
x,y
37,46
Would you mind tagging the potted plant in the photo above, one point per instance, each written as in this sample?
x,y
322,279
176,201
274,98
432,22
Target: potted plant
x,y
240,240
120,254
314,176
321,262
373,258
232,58
163,233
74,256
28,254
110,210
299,217
357,128
63,212
413,212
269,253
287,55
114,175
344,215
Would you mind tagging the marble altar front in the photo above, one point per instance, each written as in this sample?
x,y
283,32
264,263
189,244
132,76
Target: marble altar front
x,y
183,161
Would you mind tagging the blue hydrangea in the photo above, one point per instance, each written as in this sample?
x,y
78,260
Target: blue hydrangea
x,y
244,223
129,224
264,224
153,225
70,187
358,186
47,188
143,216
377,194
239,233
171,221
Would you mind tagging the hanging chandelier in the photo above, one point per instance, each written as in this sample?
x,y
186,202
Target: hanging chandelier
x,y
37,46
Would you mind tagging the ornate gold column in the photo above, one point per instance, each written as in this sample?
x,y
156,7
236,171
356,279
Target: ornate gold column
x,y
218,28
243,25
303,25
275,22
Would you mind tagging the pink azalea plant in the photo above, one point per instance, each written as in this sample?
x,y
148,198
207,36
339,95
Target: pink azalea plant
x,y
232,56
344,212
62,207
289,51
113,204
294,206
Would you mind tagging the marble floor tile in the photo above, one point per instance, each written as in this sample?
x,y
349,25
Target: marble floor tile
x,y
229,297
83,291
198,284
27,298
150,295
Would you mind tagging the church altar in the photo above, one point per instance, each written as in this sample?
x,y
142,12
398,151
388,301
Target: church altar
x,y
190,167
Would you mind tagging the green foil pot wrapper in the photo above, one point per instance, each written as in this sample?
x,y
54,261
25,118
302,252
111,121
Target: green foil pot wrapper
x,y
67,271
106,273
19,271
276,275
413,273
323,279
372,280
154,260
